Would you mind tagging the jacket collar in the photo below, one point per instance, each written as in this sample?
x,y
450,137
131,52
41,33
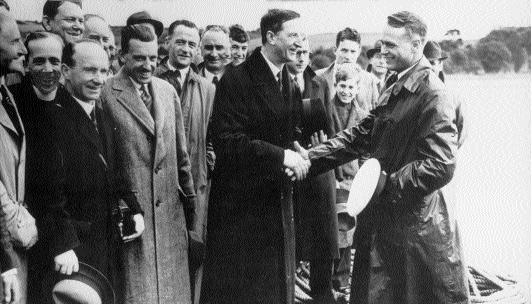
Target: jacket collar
x,y
410,80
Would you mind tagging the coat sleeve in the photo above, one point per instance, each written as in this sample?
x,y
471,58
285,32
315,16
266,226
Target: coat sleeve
x,y
437,145
186,182
7,253
231,133
345,146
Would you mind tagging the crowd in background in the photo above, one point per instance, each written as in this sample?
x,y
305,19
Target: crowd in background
x,y
186,169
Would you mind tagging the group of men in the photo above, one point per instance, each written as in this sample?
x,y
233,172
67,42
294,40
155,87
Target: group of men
x,y
208,184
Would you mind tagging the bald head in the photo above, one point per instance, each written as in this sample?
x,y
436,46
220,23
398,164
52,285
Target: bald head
x,y
98,30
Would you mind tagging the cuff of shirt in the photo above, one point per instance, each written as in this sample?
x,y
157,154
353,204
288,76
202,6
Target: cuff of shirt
x,y
9,272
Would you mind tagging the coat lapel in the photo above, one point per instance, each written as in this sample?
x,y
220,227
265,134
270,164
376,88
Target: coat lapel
x,y
5,120
128,97
161,96
264,82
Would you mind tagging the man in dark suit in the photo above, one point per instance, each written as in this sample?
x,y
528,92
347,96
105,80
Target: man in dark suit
x,y
315,212
77,224
197,98
39,89
250,254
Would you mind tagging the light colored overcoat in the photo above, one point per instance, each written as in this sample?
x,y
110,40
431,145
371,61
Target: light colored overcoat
x,y
149,163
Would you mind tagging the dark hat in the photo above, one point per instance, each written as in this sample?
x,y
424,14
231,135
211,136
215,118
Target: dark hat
x,y
145,17
432,51
88,285
376,49
79,2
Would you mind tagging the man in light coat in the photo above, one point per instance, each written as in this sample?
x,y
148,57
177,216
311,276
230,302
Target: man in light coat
x,y
151,168
13,260
197,97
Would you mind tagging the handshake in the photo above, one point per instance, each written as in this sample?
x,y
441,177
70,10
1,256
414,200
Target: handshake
x,y
297,163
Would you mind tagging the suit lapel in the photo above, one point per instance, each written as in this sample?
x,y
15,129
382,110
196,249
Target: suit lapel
x,y
128,97
81,121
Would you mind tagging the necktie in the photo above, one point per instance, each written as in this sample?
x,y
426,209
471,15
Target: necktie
x,y
10,109
93,118
279,77
215,80
146,98
175,80
298,84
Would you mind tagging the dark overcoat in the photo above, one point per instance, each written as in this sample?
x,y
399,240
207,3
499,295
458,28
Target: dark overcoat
x,y
415,133
315,203
150,168
250,243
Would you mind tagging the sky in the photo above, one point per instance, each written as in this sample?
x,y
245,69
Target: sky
x,y
474,18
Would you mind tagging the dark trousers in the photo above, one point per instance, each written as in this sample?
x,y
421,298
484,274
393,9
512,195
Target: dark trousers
x,y
340,278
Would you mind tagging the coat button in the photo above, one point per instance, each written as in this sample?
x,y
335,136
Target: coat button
x,y
157,204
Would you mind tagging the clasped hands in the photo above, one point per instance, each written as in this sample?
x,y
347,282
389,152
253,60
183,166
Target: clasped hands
x,y
297,163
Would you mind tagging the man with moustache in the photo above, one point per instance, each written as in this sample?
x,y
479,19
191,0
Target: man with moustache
x,y
64,18
415,134
13,260
197,97
214,49
250,255
348,48
239,43
152,173
315,211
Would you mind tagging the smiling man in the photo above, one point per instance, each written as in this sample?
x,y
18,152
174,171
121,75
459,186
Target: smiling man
x,y
415,255
64,18
250,238
197,98
214,50
97,29
152,172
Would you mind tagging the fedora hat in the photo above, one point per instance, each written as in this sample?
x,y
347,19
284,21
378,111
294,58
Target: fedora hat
x,y
376,49
145,17
87,286
433,51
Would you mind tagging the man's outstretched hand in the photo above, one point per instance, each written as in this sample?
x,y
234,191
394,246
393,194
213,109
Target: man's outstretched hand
x,y
296,163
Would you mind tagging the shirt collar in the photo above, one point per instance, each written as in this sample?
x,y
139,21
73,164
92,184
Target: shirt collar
x,y
138,86
183,72
274,69
87,106
210,76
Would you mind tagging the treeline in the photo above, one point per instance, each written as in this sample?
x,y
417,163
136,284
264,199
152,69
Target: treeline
x,y
502,50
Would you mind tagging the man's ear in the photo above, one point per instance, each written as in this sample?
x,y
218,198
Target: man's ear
x,y
46,23
418,45
65,70
270,37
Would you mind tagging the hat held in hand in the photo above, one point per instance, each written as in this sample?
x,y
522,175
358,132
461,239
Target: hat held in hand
x,y
87,286
366,186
